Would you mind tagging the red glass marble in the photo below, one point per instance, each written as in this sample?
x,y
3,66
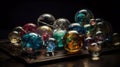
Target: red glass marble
x,y
30,27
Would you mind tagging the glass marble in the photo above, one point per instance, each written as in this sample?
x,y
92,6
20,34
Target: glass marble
x,y
61,23
45,32
116,39
45,19
14,37
30,27
94,50
50,46
99,37
83,16
105,27
31,41
20,30
89,29
58,35
88,40
72,42
77,27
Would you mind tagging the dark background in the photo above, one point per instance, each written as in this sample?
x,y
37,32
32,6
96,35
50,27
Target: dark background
x,y
15,13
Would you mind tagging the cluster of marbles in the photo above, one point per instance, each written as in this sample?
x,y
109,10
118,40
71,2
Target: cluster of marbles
x,y
49,33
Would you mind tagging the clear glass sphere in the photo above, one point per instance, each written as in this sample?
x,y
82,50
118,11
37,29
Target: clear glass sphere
x,y
61,23
45,19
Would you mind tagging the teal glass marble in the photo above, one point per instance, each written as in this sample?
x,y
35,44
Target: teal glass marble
x,y
45,19
77,27
50,46
58,35
32,41
14,37
83,16
61,23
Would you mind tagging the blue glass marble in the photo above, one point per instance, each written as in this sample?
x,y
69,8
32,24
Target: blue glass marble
x,y
51,45
32,40
77,27
83,16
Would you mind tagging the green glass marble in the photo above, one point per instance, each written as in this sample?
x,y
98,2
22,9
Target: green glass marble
x,y
58,35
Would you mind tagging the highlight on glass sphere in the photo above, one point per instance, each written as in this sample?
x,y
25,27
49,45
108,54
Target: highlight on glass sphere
x,y
14,37
61,23
45,19
45,32
77,27
30,27
72,42
58,34
83,16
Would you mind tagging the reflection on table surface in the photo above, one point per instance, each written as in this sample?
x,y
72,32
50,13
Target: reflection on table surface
x,y
107,60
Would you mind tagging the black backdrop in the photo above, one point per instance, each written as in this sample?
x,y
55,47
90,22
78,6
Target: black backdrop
x,y
14,13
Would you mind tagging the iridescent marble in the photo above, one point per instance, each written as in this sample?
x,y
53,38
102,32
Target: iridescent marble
x,y
50,46
72,42
58,35
45,19
45,32
83,16
77,27
14,37
61,23
31,41
30,27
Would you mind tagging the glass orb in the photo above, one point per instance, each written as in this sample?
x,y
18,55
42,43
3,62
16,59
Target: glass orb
x,y
116,39
99,37
77,27
14,37
83,16
94,50
31,41
87,41
30,27
58,35
105,27
45,19
20,30
61,23
72,42
45,32
50,46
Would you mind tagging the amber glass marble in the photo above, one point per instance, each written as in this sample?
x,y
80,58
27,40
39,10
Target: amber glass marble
x,y
72,41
